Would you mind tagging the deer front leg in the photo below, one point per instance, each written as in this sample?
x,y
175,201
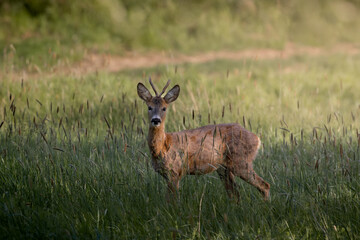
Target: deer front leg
x,y
172,189
172,180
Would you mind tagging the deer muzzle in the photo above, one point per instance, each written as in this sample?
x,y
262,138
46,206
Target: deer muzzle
x,y
155,121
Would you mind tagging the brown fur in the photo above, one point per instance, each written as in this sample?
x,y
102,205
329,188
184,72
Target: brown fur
x,y
228,149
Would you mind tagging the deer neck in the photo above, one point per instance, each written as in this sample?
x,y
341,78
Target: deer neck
x,y
156,140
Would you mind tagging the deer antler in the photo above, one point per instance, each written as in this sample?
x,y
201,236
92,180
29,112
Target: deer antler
x,y
152,85
167,84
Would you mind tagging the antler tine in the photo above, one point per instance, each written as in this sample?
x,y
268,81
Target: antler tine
x,y
152,85
167,84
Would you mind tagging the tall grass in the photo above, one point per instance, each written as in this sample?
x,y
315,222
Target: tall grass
x,y
75,162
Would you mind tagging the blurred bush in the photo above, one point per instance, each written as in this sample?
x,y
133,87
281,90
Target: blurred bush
x,y
117,25
33,7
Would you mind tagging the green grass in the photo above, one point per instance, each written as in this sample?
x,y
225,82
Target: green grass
x,y
74,161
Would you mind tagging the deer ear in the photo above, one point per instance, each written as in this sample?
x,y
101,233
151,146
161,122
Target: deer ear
x,y
143,92
172,95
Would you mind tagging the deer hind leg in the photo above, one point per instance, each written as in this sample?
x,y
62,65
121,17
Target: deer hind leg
x,y
248,174
229,181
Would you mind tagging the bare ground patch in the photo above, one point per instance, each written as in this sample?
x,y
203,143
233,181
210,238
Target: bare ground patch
x,y
132,60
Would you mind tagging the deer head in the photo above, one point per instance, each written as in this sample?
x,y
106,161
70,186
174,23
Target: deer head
x,y
157,105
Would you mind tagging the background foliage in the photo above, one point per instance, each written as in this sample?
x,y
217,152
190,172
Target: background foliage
x,y
67,27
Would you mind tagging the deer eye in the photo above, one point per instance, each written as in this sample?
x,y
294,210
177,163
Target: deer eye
x,y
150,108
164,109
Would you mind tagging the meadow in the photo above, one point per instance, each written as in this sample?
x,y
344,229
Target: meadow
x,y
74,160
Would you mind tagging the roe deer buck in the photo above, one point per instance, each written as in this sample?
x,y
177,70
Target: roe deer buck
x,y
228,149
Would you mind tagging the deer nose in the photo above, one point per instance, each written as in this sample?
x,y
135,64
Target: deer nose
x,y
156,121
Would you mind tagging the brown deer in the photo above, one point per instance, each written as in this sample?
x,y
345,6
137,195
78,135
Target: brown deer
x,y
228,149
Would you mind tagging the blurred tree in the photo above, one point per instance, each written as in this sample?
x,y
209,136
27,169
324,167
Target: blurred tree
x,y
33,7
